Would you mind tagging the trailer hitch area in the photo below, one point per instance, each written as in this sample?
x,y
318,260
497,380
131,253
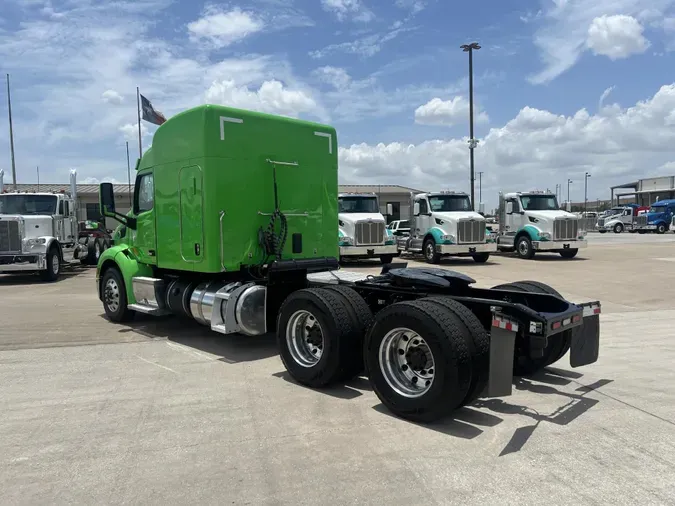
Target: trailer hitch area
x,y
585,342
502,347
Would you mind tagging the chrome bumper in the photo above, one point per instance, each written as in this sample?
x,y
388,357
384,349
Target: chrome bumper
x,y
22,263
559,245
368,251
469,249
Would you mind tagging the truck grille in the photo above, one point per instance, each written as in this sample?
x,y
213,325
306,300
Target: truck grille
x,y
369,233
10,237
601,222
641,220
470,231
565,229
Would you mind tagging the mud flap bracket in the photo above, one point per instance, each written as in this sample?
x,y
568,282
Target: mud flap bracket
x,y
585,342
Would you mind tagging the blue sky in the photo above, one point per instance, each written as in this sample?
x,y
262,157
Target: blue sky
x,y
561,86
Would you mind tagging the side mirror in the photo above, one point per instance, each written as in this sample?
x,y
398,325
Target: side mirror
x,y
107,199
416,209
390,210
509,208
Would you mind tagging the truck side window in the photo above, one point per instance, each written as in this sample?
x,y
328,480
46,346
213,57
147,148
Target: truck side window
x,y
424,208
145,193
61,208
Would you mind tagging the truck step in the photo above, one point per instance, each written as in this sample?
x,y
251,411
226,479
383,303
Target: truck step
x,y
150,295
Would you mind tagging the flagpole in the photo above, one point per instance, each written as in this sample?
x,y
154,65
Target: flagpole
x,y
129,174
38,174
11,134
138,110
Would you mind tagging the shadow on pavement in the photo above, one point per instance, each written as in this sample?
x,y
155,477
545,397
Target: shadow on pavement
x,y
232,348
33,278
349,390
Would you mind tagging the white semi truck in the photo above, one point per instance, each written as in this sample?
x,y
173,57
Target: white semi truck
x,y
38,230
444,224
363,230
531,222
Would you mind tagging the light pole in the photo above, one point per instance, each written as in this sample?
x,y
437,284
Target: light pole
x,y
480,187
469,48
569,202
586,176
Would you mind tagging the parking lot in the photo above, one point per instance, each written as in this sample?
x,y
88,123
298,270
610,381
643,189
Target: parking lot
x,y
168,412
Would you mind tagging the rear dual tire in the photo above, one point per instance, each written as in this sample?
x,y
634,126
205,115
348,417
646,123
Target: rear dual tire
x,y
424,358
557,346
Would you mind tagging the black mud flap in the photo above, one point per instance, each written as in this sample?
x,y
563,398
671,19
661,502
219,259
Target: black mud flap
x,y
502,347
585,345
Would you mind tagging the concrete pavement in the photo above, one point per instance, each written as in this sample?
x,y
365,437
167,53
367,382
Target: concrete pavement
x,y
167,412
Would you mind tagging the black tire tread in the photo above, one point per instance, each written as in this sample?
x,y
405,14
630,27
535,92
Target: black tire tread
x,y
446,326
364,319
346,330
479,345
125,314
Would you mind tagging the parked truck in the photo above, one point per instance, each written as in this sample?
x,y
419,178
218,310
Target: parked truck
x,y
619,218
444,224
657,219
39,231
196,245
531,222
363,231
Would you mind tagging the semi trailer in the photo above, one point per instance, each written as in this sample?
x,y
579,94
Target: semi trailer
x,y
444,224
195,245
532,222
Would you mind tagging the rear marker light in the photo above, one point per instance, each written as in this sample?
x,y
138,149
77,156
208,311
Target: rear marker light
x,y
556,325
576,318
505,323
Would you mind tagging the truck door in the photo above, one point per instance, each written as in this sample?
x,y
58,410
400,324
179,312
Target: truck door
x,y
191,214
144,210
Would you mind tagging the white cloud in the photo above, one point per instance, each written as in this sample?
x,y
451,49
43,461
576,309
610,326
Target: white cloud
x,y
537,148
414,6
448,112
130,131
223,28
349,8
365,46
112,97
616,37
271,97
563,29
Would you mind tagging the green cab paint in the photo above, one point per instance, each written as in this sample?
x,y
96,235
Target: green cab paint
x,y
437,234
127,262
209,188
533,232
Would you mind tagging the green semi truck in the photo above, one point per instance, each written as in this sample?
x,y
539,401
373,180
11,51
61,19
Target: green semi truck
x,y
235,224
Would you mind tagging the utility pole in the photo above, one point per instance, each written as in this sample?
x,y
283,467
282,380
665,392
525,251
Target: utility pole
x,y
469,48
11,134
38,175
129,174
586,176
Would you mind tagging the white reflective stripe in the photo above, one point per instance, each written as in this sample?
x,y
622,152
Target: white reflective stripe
x,y
225,119
504,323
591,310
330,140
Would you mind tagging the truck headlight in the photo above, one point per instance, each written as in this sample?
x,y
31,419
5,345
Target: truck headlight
x,y
346,241
448,238
545,235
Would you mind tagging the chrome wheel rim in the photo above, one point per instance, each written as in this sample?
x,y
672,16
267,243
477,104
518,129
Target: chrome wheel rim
x,y
112,295
55,263
97,250
522,247
430,250
407,363
304,338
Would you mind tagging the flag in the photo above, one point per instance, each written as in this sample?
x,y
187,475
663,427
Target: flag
x,y
149,112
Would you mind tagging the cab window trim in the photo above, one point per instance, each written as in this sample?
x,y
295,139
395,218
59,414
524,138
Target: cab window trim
x,y
137,193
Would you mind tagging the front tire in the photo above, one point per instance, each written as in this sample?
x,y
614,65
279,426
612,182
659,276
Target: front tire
x,y
661,228
114,296
569,253
429,250
481,258
53,270
418,359
618,228
524,247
